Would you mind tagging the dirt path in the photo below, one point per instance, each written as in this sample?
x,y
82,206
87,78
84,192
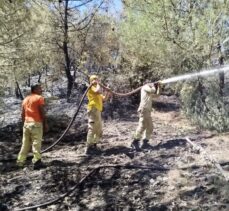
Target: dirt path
x,y
176,178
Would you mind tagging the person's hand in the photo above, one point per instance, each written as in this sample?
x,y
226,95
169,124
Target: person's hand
x,y
158,84
94,82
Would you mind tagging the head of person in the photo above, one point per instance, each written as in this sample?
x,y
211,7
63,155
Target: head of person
x,y
94,79
36,89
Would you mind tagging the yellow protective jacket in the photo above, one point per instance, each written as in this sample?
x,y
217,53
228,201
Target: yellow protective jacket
x,y
94,99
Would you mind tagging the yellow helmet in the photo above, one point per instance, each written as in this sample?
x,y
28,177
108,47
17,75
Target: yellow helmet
x,y
93,77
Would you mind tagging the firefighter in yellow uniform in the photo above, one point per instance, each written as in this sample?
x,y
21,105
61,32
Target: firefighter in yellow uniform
x,y
145,125
95,107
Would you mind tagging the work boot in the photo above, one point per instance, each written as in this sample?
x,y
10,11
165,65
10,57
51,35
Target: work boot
x,y
135,145
20,165
90,149
38,165
145,144
96,149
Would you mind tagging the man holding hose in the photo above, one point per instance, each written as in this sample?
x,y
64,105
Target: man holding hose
x,y
34,120
95,107
145,126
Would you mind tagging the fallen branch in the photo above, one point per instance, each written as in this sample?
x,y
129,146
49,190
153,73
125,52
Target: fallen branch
x,y
208,158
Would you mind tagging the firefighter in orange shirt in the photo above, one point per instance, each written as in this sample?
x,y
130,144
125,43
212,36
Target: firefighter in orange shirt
x,y
34,119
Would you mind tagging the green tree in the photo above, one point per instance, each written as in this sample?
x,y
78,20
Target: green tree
x,y
163,38
23,47
71,24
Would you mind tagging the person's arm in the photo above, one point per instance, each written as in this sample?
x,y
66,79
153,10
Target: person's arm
x,y
96,89
149,88
43,116
106,96
23,114
158,86
41,108
106,88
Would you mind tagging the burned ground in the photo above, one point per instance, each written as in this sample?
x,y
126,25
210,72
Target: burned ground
x,y
168,175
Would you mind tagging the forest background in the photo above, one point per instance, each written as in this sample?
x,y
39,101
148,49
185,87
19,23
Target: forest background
x,y
126,43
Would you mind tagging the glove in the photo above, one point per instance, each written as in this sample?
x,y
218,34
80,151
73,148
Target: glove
x,y
158,86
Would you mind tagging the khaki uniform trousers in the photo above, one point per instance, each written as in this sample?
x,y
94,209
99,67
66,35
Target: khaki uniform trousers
x,y
32,136
94,126
145,125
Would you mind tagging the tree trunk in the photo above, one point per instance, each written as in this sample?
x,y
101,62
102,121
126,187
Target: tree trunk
x,y
221,83
28,81
39,78
66,53
221,76
18,92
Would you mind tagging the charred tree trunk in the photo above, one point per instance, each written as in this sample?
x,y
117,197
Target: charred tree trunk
x,y
28,81
18,92
39,78
201,88
46,74
221,76
66,53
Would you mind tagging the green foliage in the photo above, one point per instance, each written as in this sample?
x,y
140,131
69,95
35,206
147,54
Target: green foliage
x,y
165,38
166,34
33,34
101,47
203,104
23,49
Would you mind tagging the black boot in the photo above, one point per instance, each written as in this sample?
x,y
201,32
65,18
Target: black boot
x,y
38,165
135,145
90,149
96,149
145,144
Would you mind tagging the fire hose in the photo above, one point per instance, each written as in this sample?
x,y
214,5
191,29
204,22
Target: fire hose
x,y
70,123
76,113
166,81
92,172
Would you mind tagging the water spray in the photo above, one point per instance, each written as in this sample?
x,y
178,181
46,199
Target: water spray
x,y
190,76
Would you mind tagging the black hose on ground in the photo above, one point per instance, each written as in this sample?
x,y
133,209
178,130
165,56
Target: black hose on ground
x,y
76,113
96,169
70,123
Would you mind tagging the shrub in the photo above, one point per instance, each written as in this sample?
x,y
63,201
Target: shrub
x,y
203,104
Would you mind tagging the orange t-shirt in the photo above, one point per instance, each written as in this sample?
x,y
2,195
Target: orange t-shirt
x,y
31,107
